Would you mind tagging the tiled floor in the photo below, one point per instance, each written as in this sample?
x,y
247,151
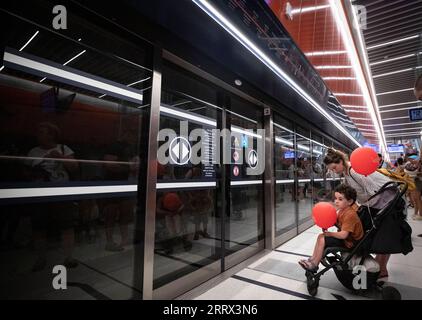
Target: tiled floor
x,y
277,276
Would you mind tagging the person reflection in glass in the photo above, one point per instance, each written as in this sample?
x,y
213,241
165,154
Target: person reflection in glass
x,y
170,208
52,162
120,164
200,202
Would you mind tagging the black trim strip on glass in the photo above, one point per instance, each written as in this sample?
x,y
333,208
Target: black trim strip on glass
x,y
89,290
269,286
294,253
108,276
193,264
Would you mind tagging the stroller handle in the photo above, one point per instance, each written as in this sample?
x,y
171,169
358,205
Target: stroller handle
x,y
397,184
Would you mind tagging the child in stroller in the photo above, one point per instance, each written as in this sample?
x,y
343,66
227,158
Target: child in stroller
x,y
348,223
385,232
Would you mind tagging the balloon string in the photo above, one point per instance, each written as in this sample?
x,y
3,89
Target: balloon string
x,y
367,204
367,193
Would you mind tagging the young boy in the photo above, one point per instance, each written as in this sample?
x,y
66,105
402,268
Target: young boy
x,y
348,224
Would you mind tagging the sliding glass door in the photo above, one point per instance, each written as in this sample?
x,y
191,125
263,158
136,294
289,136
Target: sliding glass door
x,y
284,171
73,119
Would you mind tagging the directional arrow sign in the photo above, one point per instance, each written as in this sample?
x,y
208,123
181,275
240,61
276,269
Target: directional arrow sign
x,y
180,150
253,159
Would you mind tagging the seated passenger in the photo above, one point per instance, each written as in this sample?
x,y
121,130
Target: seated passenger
x,y
348,223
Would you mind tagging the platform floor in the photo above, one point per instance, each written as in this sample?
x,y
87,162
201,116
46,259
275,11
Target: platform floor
x,y
277,276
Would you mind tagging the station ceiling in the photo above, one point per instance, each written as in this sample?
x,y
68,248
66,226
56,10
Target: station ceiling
x,y
394,66
393,38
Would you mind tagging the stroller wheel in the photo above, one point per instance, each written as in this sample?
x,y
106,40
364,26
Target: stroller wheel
x,y
390,293
312,283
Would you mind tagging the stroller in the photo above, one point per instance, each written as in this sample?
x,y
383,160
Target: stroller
x,y
385,231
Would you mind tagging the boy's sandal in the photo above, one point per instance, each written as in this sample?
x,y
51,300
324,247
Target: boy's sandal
x,y
308,265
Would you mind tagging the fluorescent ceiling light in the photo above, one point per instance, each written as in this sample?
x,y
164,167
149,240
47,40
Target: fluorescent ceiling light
x,y
248,44
323,53
69,76
180,185
339,78
356,111
397,104
395,91
189,116
132,84
394,72
281,127
318,143
348,94
332,67
245,132
284,141
316,151
2,67
299,146
393,59
371,103
392,42
236,114
394,118
70,60
404,134
244,182
354,107
136,82
364,124
309,9
404,129
399,109
24,46
402,123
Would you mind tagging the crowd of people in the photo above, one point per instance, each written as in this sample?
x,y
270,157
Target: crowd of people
x,y
408,166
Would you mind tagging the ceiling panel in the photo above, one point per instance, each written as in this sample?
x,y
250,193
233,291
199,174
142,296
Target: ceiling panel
x,y
394,30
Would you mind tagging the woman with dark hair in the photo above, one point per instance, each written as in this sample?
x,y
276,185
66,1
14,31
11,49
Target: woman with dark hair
x,y
365,187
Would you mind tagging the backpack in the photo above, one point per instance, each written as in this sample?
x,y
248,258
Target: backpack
x,y
400,177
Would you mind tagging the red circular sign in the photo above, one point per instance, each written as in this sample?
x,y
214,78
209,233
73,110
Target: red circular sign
x,y
236,171
236,156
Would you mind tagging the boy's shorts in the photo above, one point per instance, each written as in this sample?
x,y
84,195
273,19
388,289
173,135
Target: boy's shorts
x,y
334,242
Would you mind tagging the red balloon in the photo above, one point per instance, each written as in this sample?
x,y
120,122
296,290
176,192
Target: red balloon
x,y
172,202
324,215
364,160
